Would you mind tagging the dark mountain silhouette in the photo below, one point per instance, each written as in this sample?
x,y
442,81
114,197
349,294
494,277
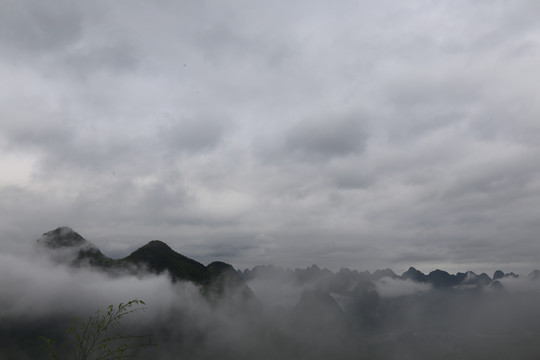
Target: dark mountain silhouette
x,y
379,274
70,246
442,279
313,272
499,274
414,275
269,271
159,257
345,280
473,279
67,246
225,281
64,236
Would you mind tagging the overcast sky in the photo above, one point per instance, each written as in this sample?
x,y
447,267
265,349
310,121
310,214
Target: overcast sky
x,y
366,134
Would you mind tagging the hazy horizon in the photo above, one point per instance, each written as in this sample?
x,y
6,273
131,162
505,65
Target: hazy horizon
x,y
454,269
286,315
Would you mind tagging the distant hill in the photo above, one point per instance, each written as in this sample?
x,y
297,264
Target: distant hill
x,y
159,257
345,278
313,313
66,245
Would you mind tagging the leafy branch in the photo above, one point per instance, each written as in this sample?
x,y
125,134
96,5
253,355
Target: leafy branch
x,y
96,339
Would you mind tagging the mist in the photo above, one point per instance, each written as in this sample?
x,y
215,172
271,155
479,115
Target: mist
x,y
310,313
34,286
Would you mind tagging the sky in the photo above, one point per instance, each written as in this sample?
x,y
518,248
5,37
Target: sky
x,y
361,134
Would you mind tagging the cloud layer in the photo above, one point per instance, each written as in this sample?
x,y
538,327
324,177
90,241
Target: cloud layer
x,y
353,134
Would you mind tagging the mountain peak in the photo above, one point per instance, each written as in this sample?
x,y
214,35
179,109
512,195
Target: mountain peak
x,y
157,244
414,275
64,244
158,257
63,237
498,274
379,274
535,274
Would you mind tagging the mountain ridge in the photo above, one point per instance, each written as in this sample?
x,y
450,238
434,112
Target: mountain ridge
x,y
437,278
157,257
65,245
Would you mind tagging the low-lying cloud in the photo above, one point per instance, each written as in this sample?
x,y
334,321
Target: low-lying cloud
x,y
388,287
306,312
35,286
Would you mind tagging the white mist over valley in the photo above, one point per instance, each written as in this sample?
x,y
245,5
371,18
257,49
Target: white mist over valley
x,y
266,312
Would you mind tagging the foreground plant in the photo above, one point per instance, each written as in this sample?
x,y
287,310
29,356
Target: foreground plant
x,y
97,337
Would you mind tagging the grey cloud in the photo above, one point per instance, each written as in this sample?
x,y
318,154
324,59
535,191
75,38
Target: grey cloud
x,y
89,153
54,138
353,179
34,26
507,25
326,138
429,89
225,41
116,58
28,135
63,146
256,140
509,117
501,178
193,134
